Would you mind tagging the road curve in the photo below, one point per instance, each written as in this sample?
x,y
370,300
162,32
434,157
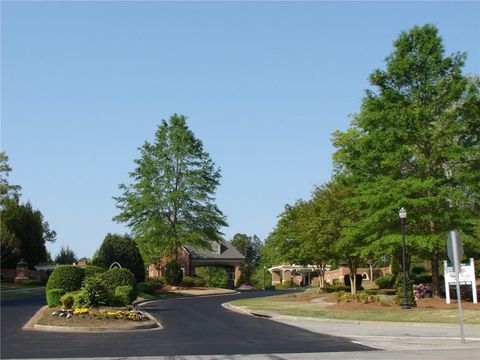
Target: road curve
x,y
192,326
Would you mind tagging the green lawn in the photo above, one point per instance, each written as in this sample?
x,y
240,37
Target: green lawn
x,y
278,305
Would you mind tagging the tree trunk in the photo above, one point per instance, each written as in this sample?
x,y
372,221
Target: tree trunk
x,y
435,274
353,277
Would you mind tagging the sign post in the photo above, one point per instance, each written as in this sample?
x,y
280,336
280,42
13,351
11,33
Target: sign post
x,y
455,253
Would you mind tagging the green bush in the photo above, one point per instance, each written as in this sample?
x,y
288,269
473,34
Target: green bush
x,y
96,290
399,286
381,291
54,296
125,295
80,299
286,285
188,281
385,282
123,250
173,273
119,277
213,276
156,282
67,300
335,288
198,281
66,277
146,288
91,270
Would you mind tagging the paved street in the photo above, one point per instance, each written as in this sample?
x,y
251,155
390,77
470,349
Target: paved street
x,y
192,326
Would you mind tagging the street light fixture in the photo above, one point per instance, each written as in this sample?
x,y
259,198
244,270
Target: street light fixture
x,y
403,219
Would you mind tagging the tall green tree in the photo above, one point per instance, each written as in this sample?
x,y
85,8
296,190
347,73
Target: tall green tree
x,y
7,191
66,256
414,144
28,227
171,199
123,250
248,246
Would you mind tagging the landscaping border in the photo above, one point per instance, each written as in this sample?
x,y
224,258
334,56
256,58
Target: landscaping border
x,y
32,325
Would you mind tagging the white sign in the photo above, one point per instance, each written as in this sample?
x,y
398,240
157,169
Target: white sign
x,y
466,275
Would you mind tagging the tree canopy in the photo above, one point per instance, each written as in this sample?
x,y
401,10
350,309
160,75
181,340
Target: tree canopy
x,y
123,250
171,199
66,256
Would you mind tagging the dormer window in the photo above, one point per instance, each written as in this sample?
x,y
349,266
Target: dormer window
x,y
217,248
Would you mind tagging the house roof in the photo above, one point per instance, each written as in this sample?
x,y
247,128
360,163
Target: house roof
x,y
227,251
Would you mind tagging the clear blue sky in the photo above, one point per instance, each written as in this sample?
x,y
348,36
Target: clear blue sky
x,y
264,85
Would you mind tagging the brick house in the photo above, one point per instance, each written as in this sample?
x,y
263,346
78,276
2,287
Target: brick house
x,y
221,254
308,275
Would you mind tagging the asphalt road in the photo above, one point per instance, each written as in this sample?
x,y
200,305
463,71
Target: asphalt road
x,y
192,326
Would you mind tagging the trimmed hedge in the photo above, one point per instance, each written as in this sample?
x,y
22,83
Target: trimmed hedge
x,y
146,287
119,277
385,282
156,282
91,270
124,295
54,296
66,277
96,290
124,250
335,288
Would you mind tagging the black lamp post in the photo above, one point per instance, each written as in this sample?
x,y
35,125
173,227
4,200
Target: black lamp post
x,y
403,218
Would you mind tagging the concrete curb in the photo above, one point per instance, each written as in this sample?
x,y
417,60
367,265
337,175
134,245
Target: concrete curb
x,y
243,310
32,325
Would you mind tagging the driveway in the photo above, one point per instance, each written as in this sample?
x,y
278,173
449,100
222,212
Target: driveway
x,y
192,326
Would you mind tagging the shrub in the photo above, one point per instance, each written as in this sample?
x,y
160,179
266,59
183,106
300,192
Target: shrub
x,y
53,297
385,282
125,295
66,277
156,282
335,288
67,300
146,287
213,276
381,291
118,277
198,281
422,291
91,270
80,299
286,285
188,281
366,298
124,250
399,286
173,273
96,290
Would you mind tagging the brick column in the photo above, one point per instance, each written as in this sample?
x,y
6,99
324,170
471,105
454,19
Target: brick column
x,y
238,272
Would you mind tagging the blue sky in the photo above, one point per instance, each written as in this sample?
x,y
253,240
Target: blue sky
x,y
264,86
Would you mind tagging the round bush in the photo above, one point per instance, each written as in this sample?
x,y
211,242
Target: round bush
x,y
173,273
80,299
188,281
156,282
66,277
119,277
96,290
54,296
91,270
123,250
67,300
146,287
124,295
385,282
